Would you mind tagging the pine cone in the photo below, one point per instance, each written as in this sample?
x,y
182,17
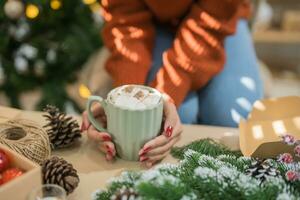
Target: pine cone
x,y
260,169
125,194
62,130
58,171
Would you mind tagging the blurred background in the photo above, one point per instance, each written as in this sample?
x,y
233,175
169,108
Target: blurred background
x,y
51,51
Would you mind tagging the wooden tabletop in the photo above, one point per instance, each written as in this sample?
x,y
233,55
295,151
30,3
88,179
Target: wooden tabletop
x,y
94,170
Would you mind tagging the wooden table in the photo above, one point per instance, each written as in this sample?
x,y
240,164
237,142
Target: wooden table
x,y
94,170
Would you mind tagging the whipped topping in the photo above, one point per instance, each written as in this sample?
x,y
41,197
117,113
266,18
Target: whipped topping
x,y
134,97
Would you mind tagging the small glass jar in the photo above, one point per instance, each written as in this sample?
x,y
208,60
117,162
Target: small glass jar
x,y
48,192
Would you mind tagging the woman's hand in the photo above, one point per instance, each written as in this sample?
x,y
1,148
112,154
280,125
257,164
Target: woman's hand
x,y
103,139
158,148
153,151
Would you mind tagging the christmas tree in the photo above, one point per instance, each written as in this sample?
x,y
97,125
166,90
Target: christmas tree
x,y
43,45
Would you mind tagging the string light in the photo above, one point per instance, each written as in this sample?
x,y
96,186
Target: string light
x,y
95,7
32,11
84,92
89,1
55,4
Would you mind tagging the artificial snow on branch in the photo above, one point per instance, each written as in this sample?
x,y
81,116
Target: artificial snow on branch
x,y
207,170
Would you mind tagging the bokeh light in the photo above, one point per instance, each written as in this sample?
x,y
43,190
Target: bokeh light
x,y
89,1
95,7
32,11
84,92
55,4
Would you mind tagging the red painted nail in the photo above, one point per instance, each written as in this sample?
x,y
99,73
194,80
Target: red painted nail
x,y
146,150
109,152
142,154
143,159
106,138
169,131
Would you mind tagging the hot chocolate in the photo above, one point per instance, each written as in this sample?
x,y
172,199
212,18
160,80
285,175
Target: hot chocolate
x,y
134,97
134,116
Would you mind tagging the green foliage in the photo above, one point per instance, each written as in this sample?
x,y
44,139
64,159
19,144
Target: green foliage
x,y
101,195
166,191
207,146
207,170
62,39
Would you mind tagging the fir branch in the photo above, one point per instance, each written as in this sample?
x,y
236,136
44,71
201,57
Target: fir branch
x,y
165,191
207,170
126,179
205,146
241,163
55,32
99,194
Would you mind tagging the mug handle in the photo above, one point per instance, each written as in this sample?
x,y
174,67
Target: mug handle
x,y
91,117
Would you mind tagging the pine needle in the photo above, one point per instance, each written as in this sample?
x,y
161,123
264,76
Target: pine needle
x,y
205,146
208,170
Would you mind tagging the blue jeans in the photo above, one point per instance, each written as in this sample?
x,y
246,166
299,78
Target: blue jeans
x,y
229,96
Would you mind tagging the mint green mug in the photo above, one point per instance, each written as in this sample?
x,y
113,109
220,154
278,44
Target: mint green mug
x,y
130,128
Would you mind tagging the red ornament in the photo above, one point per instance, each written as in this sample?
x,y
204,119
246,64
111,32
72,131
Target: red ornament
x,y
286,158
291,175
11,174
297,151
4,162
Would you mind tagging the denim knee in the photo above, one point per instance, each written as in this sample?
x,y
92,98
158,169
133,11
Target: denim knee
x,y
188,111
221,106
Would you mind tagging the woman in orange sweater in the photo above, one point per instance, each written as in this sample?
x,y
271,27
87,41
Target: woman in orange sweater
x,y
183,49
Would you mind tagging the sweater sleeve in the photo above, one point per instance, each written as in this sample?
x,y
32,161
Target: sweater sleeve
x,y
197,53
128,33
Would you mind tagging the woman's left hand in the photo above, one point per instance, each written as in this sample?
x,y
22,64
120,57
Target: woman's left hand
x,y
158,148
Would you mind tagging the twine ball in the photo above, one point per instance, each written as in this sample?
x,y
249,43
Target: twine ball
x,y
26,138
14,9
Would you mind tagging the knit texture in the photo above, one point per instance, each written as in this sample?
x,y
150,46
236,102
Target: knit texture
x,y
197,53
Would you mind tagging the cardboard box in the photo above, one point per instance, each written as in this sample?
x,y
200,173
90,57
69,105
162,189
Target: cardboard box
x,y
260,135
20,187
291,20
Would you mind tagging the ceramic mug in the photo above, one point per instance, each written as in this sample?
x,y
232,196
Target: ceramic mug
x,y
130,128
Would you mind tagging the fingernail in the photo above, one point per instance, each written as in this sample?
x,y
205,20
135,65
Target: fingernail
x,y
109,152
143,159
142,154
107,147
169,131
145,150
106,138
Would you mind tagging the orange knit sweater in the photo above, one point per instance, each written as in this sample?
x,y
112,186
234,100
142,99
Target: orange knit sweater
x,y
197,53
